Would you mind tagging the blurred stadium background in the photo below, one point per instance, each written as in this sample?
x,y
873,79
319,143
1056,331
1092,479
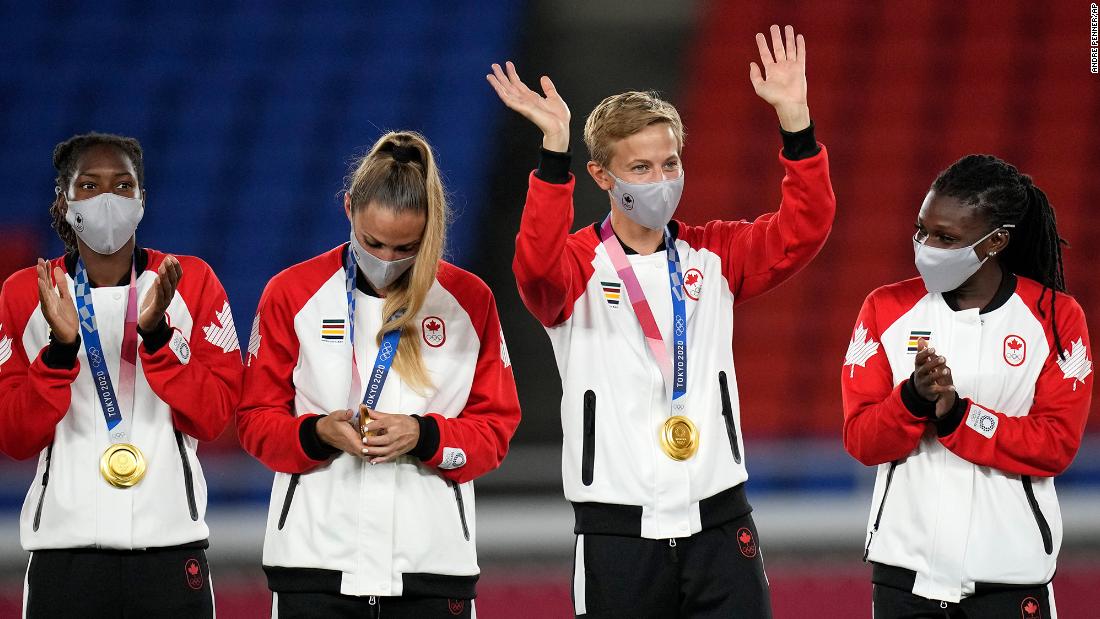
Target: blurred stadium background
x,y
250,113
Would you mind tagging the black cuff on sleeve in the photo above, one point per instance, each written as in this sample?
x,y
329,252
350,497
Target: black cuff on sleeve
x,y
428,443
916,404
946,425
554,166
60,356
158,337
311,443
800,144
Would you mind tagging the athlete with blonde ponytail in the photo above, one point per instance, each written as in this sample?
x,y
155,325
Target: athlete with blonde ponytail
x,y
378,387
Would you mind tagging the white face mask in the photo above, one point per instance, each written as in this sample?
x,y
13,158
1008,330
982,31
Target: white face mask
x,y
380,273
105,222
648,204
944,270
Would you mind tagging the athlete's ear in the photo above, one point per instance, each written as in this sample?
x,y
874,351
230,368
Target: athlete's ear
x,y
601,176
347,205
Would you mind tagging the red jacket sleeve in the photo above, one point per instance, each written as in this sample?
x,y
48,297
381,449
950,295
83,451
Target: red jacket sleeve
x,y
551,267
482,431
1043,442
203,391
878,426
266,422
33,397
758,256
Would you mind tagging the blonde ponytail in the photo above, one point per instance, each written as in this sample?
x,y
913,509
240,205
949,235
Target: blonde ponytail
x,y
400,173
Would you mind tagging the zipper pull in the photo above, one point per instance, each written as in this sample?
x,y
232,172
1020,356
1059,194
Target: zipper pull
x,y
371,601
672,542
870,538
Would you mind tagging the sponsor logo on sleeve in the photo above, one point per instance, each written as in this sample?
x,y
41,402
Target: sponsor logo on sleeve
x,y
982,421
178,345
453,458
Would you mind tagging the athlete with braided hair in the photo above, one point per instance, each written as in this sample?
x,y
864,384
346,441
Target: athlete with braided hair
x,y
115,361
969,388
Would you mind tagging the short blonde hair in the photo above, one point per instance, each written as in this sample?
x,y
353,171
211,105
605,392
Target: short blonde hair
x,y
622,115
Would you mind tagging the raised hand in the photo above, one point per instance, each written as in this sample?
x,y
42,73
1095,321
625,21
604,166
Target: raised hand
x,y
932,378
783,81
387,436
338,430
548,111
58,307
158,298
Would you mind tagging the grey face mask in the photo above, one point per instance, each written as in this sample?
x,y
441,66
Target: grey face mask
x,y
648,204
380,273
105,222
944,270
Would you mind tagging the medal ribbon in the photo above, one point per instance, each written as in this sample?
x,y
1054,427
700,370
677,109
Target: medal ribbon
x,y
673,364
387,349
116,410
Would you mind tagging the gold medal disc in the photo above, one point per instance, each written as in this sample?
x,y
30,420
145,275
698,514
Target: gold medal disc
x,y
679,438
122,465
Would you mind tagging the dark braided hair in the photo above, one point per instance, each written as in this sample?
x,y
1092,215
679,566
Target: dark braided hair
x,y
65,156
1008,198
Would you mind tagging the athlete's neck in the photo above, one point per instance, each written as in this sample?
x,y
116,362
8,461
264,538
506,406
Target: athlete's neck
x,y
643,240
979,290
107,270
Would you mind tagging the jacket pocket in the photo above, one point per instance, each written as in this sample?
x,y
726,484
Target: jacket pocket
x,y
881,506
727,414
1040,519
45,482
188,480
588,452
461,509
289,499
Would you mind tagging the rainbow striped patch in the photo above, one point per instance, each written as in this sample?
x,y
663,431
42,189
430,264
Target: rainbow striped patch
x,y
333,329
919,335
612,292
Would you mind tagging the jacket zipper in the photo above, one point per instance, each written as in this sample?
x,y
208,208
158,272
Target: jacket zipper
x,y
881,506
289,497
45,481
188,481
588,449
461,510
727,413
1044,527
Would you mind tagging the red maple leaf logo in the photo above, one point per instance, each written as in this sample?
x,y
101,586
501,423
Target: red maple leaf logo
x,y
193,568
691,279
1031,607
1014,344
433,326
745,537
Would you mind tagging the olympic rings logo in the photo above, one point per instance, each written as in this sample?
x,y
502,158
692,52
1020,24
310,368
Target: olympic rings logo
x,y
385,352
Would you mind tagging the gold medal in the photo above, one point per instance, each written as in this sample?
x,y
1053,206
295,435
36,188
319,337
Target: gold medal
x,y
679,438
122,465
